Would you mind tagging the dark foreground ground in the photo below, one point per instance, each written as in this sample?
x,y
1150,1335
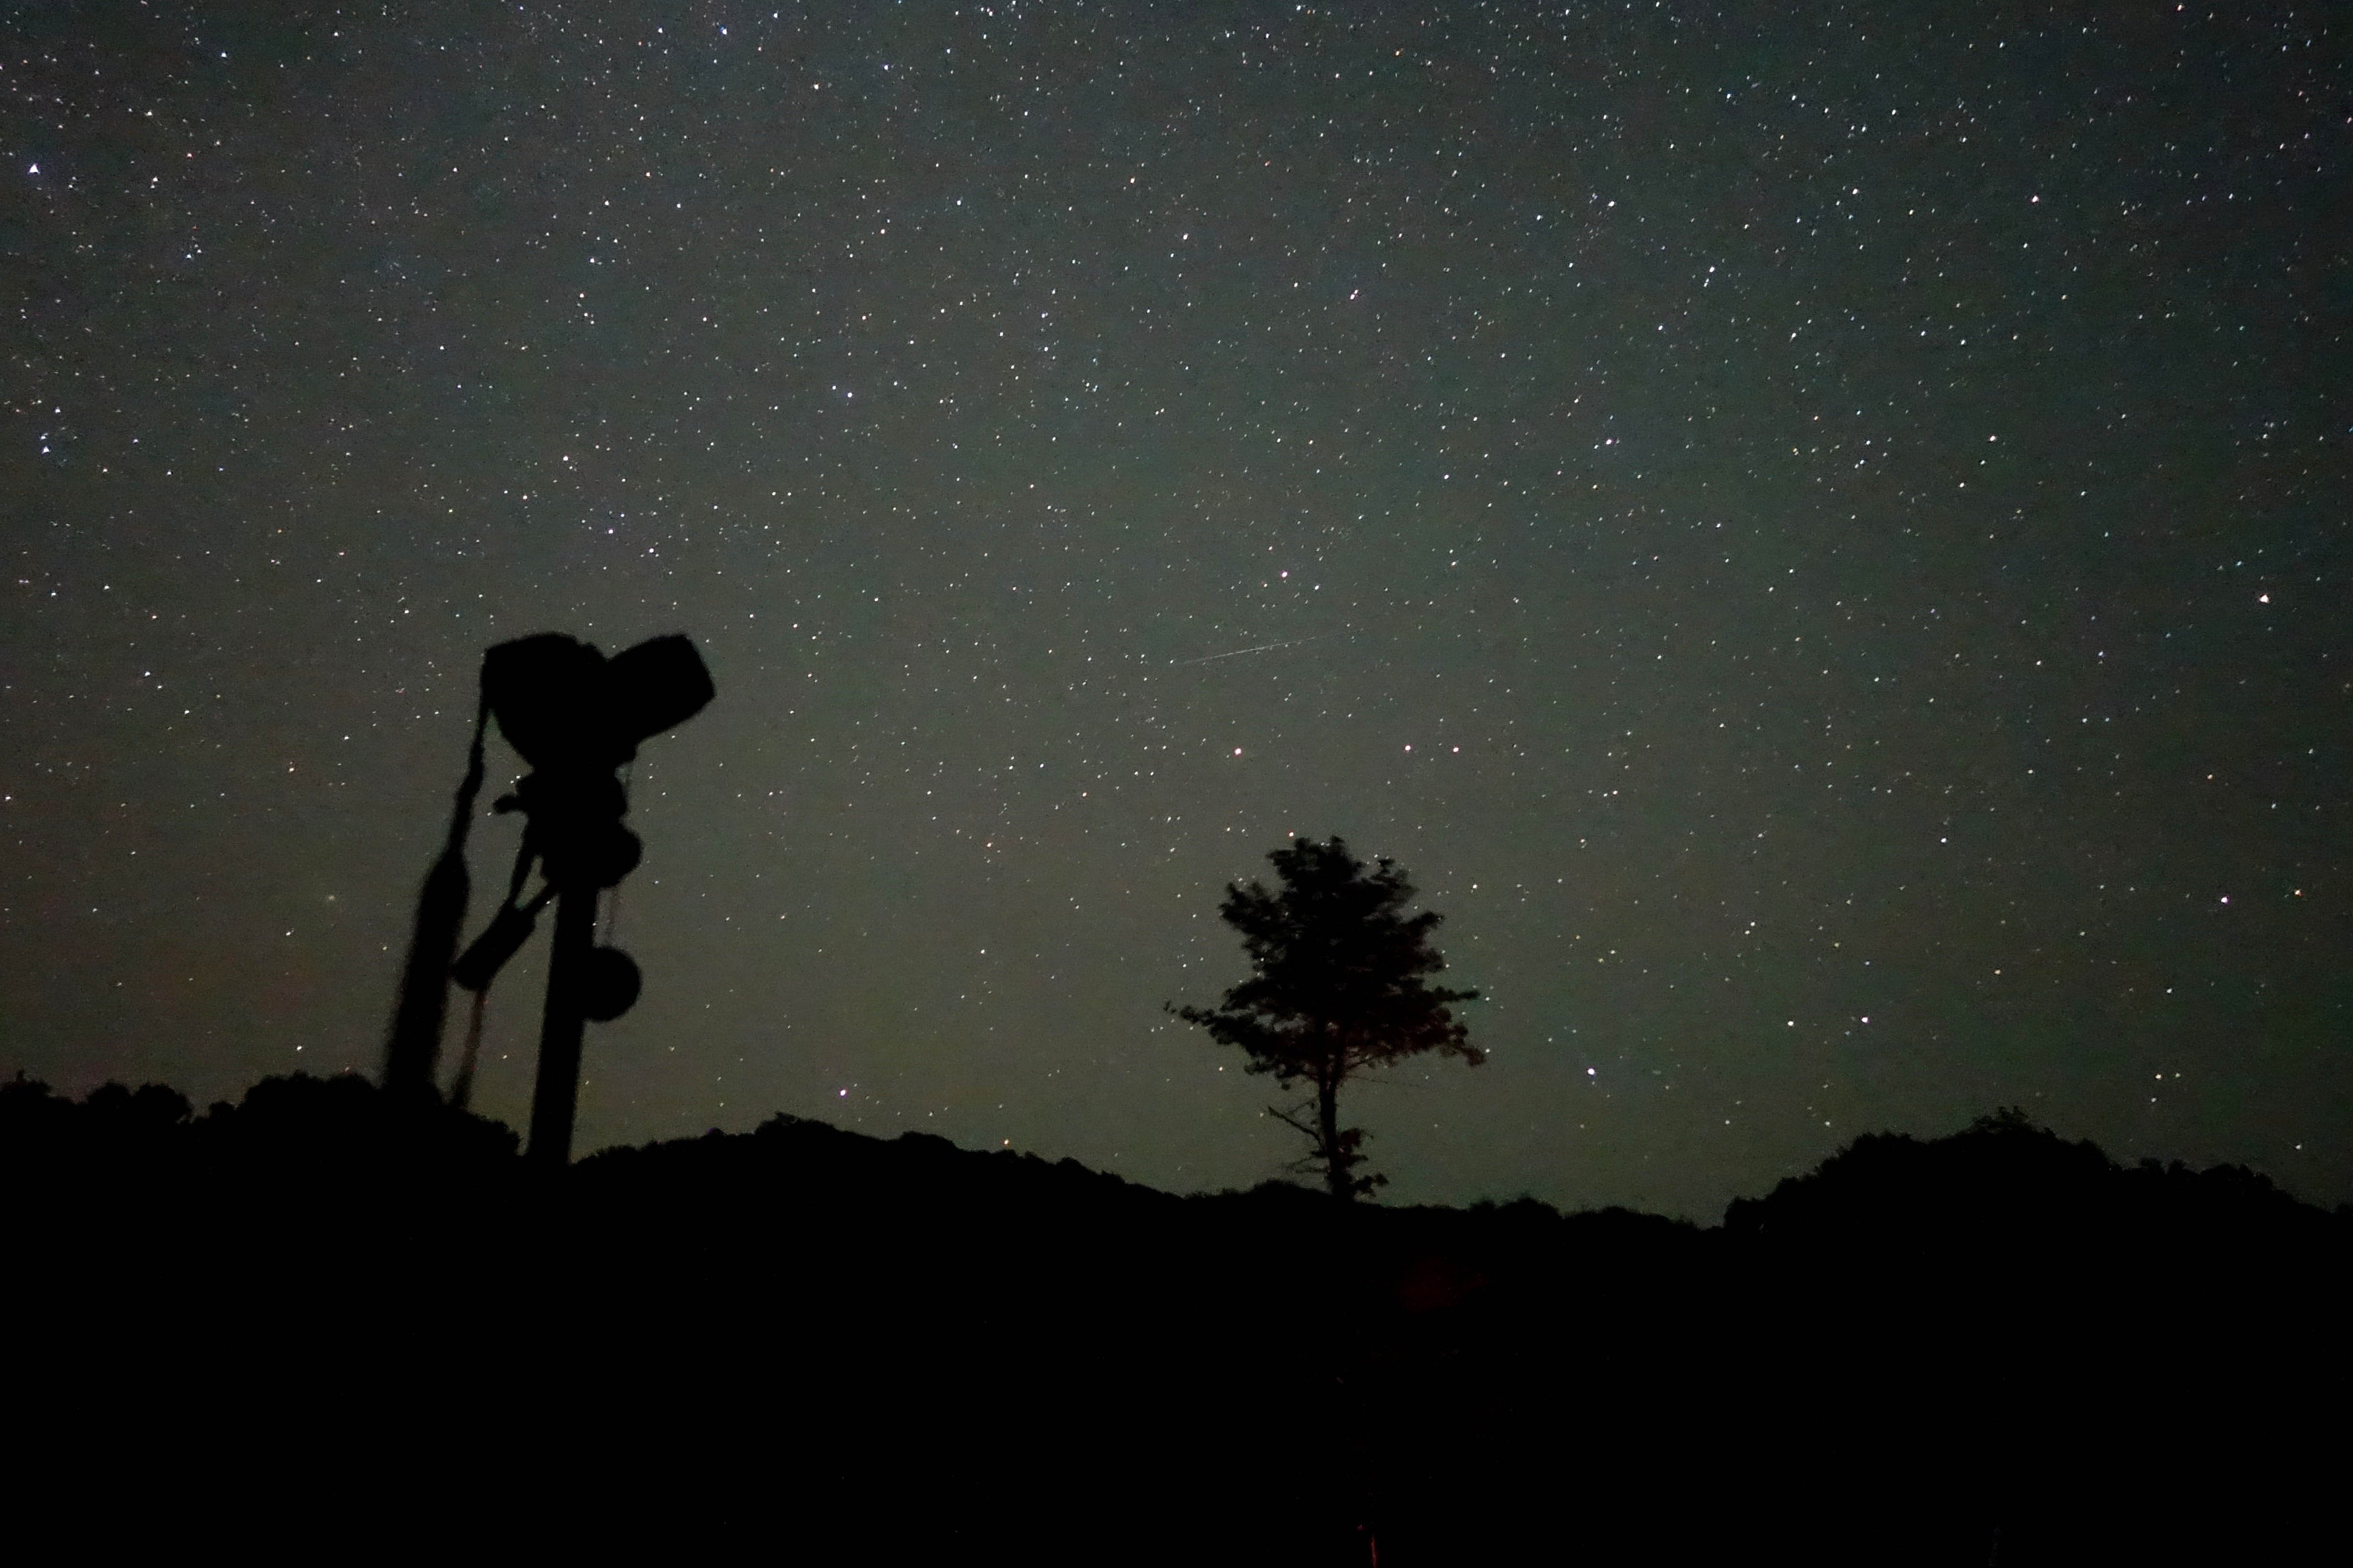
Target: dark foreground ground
x,y
308,1323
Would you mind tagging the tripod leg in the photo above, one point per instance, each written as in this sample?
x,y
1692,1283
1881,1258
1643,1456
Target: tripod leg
x,y
557,1094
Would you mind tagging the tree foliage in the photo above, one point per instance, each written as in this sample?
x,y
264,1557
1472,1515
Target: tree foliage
x,y
1338,986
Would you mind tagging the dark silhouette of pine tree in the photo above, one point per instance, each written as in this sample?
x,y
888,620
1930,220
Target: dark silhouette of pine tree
x,y
1338,987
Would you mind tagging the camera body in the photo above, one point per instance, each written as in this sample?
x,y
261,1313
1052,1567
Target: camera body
x,y
569,711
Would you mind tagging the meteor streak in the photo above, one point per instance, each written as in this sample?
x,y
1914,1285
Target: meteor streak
x,y
1261,647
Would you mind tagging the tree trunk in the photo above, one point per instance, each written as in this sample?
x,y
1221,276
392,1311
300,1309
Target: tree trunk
x,y
1328,1129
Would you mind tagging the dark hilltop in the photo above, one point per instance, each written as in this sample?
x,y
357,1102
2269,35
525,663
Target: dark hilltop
x,y
319,1310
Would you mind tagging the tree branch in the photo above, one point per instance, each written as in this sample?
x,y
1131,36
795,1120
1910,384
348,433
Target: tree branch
x,y
1291,1120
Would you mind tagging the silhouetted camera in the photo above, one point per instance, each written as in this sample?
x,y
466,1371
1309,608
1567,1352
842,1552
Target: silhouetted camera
x,y
576,716
567,708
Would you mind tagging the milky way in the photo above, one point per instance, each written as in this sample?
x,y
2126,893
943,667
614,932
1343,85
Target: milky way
x,y
1817,540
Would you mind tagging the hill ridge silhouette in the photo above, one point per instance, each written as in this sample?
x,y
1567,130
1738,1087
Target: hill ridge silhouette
x,y
344,1117
1996,1346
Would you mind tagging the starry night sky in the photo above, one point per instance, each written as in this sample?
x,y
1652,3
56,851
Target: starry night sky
x,y
1815,534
